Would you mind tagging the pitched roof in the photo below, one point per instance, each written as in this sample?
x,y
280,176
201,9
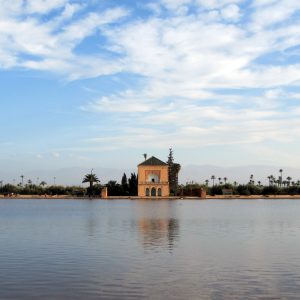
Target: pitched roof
x,y
153,161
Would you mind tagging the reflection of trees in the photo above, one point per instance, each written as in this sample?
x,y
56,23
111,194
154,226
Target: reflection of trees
x,y
173,231
159,232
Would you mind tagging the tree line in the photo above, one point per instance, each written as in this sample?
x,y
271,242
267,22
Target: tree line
x,y
194,189
128,187
220,185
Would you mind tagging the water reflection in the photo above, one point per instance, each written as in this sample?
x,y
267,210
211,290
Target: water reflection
x,y
159,232
92,223
95,250
159,225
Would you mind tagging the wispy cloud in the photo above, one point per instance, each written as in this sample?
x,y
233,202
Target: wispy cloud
x,y
214,72
30,42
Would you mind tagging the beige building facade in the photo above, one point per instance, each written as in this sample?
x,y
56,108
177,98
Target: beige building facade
x,y
153,178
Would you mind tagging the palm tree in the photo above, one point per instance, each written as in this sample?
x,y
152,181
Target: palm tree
x,y
43,183
213,177
270,177
219,180
280,178
225,179
22,177
206,182
251,181
91,179
288,180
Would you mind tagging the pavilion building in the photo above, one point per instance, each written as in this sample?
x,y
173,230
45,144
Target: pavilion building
x,y
153,178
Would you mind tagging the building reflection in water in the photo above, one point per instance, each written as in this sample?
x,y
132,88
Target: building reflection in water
x,y
158,226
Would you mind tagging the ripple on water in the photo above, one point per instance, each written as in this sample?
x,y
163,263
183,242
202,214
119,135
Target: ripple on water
x,y
81,249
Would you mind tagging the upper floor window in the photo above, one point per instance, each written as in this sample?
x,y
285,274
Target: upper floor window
x,y
153,178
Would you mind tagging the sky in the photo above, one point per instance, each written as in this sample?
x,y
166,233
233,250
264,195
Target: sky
x,y
99,83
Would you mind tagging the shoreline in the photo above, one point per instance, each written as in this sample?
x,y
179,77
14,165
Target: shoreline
x,y
217,197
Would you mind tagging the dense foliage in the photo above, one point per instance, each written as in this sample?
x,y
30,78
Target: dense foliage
x,y
194,189
174,169
129,186
32,189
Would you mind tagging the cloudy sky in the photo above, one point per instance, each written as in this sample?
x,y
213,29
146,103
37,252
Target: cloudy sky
x,y
100,82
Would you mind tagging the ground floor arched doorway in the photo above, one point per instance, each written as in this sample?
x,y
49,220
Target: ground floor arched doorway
x,y
147,192
159,192
153,192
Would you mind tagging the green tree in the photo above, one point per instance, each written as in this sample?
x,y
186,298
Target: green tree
x,y
280,178
270,190
133,184
213,177
114,188
124,183
91,179
174,169
243,190
251,181
9,188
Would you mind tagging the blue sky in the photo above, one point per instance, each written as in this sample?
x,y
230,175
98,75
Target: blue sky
x,y
98,83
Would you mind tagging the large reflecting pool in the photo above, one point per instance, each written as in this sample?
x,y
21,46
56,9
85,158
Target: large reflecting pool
x,y
83,249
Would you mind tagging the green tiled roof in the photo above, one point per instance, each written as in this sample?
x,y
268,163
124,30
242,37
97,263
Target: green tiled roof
x,y
153,161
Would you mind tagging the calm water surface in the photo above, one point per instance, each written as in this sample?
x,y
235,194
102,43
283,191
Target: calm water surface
x,y
217,249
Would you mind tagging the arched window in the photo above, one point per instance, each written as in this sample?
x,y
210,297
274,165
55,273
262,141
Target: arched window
x,y
159,192
147,192
153,192
153,178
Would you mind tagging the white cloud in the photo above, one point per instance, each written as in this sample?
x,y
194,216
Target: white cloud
x,y
175,4
213,4
116,104
188,60
43,6
184,53
231,12
52,44
188,124
10,8
55,154
273,12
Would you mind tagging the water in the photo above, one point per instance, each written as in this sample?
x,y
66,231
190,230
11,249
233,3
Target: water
x,y
216,249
